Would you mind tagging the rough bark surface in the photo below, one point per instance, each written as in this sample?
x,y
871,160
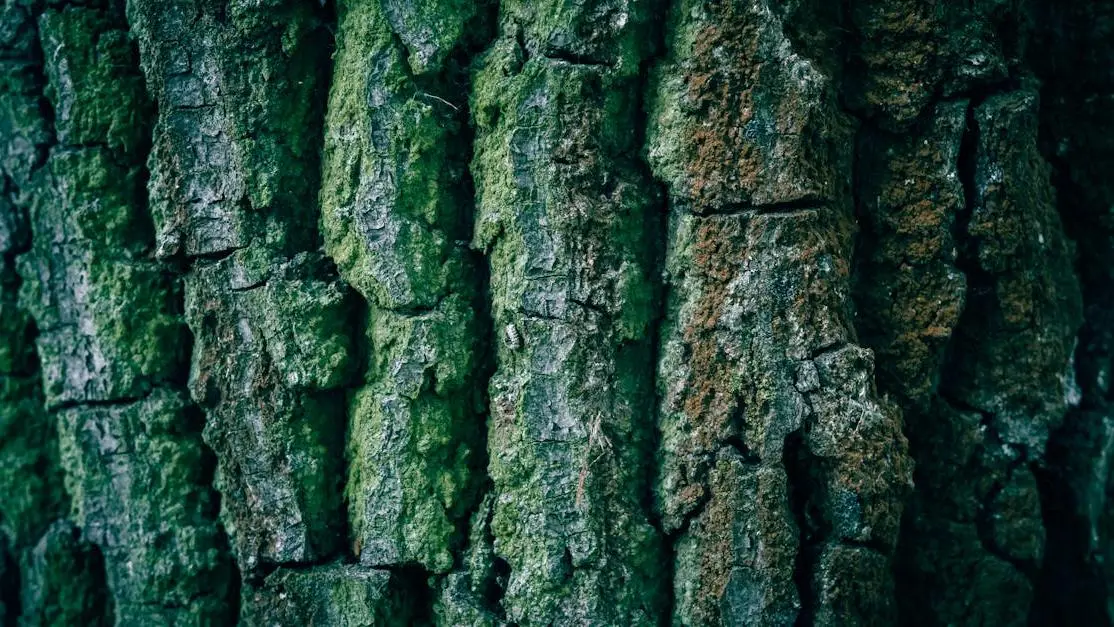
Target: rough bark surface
x,y
547,312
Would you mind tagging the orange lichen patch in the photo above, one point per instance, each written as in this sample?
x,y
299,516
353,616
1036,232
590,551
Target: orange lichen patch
x,y
917,201
690,495
715,559
900,50
923,307
745,541
911,293
1019,301
877,468
718,252
756,122
720,76
925,224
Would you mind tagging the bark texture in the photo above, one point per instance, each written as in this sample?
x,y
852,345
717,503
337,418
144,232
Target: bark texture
x,y
556,312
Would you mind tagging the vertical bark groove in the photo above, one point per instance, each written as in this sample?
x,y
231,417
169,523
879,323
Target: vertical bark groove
x,y
658,244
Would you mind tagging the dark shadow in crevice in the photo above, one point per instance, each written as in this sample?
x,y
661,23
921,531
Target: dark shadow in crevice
x,y
800,466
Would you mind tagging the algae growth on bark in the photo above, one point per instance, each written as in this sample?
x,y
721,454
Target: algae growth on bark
x,y
556,312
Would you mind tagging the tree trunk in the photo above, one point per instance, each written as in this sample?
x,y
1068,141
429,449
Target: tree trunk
x,y
542,312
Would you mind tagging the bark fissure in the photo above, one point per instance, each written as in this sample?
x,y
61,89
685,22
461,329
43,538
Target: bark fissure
x,y
481,600
658,243
790,207
797,466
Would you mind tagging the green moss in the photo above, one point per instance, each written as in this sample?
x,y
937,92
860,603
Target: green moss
x,y
135,351
390,206
393,212
63,581
565,217
93,80
277,433
90,197
139,483
31,491
335,594
306,322
150,337
89,225
412,437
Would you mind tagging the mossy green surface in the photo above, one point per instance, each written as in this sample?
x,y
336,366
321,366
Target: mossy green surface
x,y
63,582
277,431
306,320
139,477
31,495
90,230
310,234
344,595
395,216
412,438
391,200
566,217
108,333
51,576
97,95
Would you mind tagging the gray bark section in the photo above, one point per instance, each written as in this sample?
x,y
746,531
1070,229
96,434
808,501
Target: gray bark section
x,y
139,478
566,216
346,595
766,397
109,376
233,175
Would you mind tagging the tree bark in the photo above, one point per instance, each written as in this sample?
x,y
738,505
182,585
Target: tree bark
x,y
541,312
